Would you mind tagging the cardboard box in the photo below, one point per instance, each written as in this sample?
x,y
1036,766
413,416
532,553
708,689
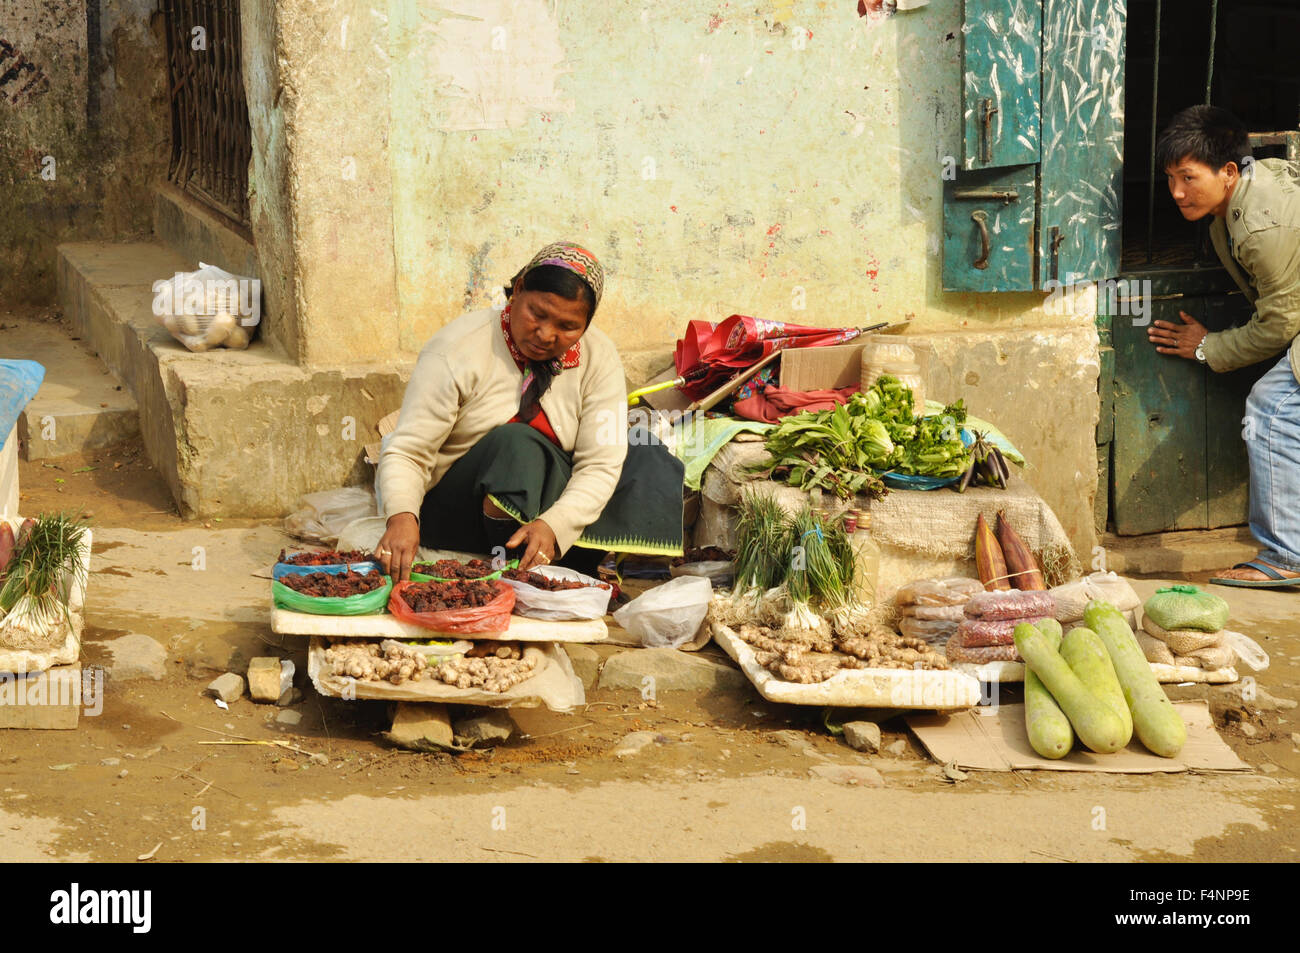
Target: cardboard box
x,y
830,368
821,368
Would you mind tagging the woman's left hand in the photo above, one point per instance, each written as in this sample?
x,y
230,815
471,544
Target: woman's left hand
x,y
538,540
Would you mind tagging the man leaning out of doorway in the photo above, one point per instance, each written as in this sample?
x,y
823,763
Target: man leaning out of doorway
x,y
1205,152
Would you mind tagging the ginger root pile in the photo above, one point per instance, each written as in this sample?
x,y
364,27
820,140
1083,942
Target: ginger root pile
x,y
491,673
371,662
815,659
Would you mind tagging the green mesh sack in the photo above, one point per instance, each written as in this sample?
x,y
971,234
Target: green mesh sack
x,y
1186,607
367,603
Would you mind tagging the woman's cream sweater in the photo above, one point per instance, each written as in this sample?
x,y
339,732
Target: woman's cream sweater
x,y
466,383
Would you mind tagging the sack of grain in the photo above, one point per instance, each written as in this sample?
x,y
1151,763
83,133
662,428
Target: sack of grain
x,y
1180,641
1186,607
1072,597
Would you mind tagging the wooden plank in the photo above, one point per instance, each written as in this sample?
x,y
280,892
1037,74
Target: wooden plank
x,y
1106,393
1159,459
1101,502
1082,140
1227,468
385,626
1000,86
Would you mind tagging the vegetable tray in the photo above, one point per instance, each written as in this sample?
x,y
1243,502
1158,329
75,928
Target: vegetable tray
x,y
857,688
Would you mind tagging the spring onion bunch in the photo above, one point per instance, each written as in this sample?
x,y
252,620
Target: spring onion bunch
x,y
46,565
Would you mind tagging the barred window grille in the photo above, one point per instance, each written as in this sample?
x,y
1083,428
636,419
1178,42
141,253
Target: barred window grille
x,y
211,140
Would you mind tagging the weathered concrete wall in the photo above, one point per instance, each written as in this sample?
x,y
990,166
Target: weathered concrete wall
x,y
83,130
781,159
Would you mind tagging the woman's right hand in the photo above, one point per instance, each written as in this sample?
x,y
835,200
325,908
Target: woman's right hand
x,y
399,546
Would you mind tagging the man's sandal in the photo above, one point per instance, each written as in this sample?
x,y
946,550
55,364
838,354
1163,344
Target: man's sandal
x,y
1275,579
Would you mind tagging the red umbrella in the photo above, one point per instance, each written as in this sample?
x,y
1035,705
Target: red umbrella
x,y
740,341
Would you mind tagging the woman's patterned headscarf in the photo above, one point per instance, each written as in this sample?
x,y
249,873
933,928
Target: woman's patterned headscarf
x,y
570,257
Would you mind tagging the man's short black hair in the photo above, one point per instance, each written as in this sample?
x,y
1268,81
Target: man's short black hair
x,y
1207,134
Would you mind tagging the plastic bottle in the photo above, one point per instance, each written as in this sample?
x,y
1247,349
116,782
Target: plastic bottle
x,y
866,560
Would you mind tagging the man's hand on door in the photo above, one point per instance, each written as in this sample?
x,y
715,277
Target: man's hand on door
x,y
1180,340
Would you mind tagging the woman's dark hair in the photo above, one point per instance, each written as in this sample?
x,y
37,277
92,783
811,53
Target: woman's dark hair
x,y
559,281
1207,134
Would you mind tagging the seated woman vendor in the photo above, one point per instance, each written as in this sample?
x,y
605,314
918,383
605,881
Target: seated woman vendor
x,y
513,435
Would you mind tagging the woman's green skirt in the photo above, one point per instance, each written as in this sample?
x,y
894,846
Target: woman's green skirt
x,y
524,474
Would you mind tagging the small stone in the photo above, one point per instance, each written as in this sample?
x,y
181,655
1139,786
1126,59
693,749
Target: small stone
x,y
636,742
897,748
586,663
288,717
484,728
122,773
572,771
421,727
110,762
862,736
1249,730
229,687
858,775
1269,767
1295,738
669,670
789,738
285,766
291,697
136,656
264,679
954,773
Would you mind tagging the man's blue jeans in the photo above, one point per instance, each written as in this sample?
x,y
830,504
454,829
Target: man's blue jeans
x,y
1272,432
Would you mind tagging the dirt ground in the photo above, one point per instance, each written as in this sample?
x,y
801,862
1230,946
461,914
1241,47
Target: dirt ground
x,y
158,769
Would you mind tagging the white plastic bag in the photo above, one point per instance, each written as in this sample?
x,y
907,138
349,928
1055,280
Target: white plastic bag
x,y
564,605
209,308
325,514
1247,649
668,615
719,572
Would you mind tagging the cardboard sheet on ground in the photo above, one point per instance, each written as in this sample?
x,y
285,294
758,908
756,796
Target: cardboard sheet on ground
x,y
994,739
555,684
856,688
1165,674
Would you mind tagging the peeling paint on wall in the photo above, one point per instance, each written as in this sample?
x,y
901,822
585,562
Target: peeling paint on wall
x,y
493,64
19,77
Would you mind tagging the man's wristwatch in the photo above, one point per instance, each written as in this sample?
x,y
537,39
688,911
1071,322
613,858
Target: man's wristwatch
x,y
1200,349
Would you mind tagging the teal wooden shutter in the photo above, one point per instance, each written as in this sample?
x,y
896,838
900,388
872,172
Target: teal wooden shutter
x,y
1037,199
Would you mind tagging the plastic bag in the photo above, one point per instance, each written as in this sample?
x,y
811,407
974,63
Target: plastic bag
x,y
367,603
932,630
953,591
326,514
1072,597
668,615
954,651
1186,607
1011,604
209,308
719,572
978,633
564,605
1247,649
934,613
493,617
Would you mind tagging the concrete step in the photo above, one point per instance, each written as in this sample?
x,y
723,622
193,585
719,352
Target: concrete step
x,y
233,433
80,406
1186,551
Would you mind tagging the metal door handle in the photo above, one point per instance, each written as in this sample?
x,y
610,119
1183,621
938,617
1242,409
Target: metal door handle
x,y
981,218
987,111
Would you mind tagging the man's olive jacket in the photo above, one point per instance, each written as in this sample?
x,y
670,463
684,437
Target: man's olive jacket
x,y
1258,241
